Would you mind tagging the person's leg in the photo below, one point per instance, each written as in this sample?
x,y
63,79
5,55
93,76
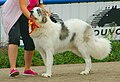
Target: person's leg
x,y
12,54
28,45
28,59
14,37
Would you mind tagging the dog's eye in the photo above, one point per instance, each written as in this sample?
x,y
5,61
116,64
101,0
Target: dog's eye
x,y
39,12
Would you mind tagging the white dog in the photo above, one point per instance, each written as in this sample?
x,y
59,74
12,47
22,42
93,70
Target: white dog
x,y
74,35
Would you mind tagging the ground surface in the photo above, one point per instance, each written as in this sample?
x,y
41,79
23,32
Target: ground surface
x,y
101,72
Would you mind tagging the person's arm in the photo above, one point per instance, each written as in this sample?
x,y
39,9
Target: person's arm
x,y
23,6
41,5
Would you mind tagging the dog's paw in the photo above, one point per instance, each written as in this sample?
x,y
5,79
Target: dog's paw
x,y
46,75
84,72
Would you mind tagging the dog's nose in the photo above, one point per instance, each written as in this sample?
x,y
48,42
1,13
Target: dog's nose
x,y
31,13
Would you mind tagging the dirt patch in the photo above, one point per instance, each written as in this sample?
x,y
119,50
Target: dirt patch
x,y
101,72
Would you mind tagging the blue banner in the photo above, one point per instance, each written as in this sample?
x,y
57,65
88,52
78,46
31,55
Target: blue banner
x,y
57,1
65,1
2,2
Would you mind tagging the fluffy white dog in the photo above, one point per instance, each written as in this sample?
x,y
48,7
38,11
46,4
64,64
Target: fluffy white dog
x,y
74,35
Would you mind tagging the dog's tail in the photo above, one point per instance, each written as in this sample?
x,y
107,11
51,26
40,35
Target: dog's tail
x,y
98,48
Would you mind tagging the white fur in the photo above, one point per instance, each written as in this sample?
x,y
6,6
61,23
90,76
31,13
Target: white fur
x,y
85,43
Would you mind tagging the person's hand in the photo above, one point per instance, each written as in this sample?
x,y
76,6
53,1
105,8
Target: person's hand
x,y
49,13
32,18
34,22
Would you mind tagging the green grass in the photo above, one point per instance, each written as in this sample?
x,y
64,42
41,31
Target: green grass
x,y
60,58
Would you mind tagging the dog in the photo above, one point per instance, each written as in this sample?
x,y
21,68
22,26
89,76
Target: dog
x,y
74,35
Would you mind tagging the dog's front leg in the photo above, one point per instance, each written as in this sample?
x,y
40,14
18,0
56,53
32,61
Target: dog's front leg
x,y
49,63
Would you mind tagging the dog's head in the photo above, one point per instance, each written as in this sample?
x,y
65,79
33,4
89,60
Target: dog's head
x,y
39,15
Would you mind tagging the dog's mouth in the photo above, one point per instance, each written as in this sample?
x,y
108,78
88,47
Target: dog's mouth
x,y
32,16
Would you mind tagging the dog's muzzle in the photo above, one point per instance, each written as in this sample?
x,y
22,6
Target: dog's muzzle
x,y
31,13
32,16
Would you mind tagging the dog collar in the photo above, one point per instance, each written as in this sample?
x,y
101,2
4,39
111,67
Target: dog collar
x,y
32,25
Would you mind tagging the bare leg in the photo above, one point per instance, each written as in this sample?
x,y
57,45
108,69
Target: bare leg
x,y
12,53
28,59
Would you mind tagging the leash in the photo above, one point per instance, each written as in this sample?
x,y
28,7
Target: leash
x,y
32,25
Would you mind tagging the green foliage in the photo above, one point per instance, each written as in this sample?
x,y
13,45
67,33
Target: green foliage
x,y
60,58
4,62
37,59
20,58
67,58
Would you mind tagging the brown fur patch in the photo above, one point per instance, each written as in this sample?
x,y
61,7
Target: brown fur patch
x,y
64,32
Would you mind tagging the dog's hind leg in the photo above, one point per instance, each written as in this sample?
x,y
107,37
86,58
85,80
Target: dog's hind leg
x,y
87,58
49,63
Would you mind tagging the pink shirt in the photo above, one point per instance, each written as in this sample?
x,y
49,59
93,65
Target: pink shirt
x,y
32,4
11,12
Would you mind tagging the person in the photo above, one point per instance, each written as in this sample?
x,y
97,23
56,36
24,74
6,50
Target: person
x,y
15,15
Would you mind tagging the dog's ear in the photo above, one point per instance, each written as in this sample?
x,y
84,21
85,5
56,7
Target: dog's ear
x,y
44,19
44,12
